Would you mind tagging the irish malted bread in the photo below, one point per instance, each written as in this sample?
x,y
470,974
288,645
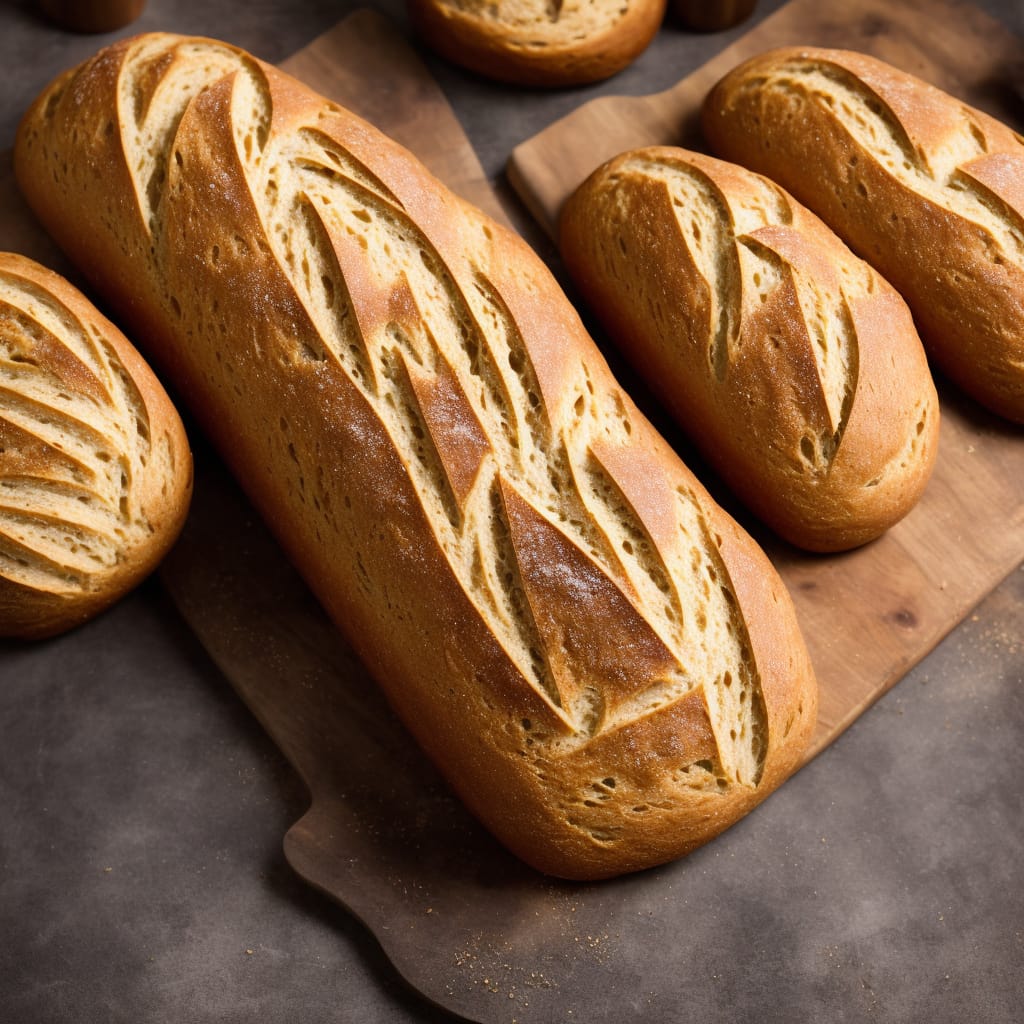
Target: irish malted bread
x,y
605,667
95,470
535,43
927,189
791,364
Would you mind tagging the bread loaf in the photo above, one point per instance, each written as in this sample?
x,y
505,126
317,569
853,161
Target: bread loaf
x,y
927,189
530,42
95,470
607,670
791,364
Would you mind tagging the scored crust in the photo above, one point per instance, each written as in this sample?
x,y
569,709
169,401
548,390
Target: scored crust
x,y
95,470
790,362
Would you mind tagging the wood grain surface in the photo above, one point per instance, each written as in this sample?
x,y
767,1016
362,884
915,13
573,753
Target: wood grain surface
x,y
464,922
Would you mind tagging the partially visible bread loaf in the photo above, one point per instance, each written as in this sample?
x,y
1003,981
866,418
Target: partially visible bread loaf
x,y
605,667
95,470
792,365
531,42
926,188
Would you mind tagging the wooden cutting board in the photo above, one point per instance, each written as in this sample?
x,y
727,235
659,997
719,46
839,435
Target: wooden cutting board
x,y
462,921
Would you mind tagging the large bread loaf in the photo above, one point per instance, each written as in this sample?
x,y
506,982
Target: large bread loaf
x,y
793,366
95,469
927,189
604,666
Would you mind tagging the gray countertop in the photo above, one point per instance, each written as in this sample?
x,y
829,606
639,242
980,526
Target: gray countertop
x,y
143,808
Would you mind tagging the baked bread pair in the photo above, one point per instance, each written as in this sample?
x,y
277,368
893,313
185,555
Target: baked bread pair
x,y
797,367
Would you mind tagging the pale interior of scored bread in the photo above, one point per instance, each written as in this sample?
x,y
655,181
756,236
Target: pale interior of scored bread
x,y
720,235
451,378
74,441
932,169
541,23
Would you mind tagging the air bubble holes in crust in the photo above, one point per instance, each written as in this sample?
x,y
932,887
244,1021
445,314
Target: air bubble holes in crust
x,y
157,84
411,311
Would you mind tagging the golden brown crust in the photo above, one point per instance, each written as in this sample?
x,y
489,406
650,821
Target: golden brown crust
x,y
921,185
95,470
527,42
605,668
791,363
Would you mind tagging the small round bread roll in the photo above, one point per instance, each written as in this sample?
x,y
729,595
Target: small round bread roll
x,y
95,469
536,43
